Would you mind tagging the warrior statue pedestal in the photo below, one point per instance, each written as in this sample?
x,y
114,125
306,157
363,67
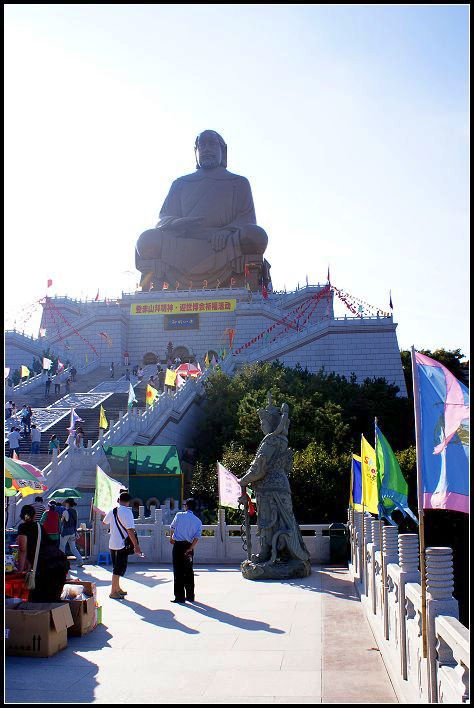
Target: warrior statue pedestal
x,y
283,553
279,570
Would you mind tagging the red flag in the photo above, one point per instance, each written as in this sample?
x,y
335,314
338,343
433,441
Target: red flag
x,y
264,292
165,286
50,282
246,271
96,297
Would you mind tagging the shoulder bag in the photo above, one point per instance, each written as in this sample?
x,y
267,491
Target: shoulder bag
x,y
128,543
31,574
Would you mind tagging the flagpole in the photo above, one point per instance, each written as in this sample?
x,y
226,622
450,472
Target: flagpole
x,y
421,519
384,570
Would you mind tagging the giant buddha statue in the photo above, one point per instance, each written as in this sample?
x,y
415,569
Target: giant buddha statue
x,y
207,234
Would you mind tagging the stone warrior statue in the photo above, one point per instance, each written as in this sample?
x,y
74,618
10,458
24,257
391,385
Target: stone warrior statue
x,y
283,553
207,229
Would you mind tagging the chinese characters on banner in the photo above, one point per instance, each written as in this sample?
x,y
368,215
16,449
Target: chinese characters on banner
x,y
229,487
177,307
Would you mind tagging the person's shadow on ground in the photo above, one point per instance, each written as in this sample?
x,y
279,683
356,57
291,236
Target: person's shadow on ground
x,y
160,618
241,622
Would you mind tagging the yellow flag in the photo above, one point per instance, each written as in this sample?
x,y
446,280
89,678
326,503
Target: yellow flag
x,y
370,492
103,423
206,359
170,378
151,394
24,371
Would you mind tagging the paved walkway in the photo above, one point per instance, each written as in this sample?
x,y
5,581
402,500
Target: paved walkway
x,y
298,641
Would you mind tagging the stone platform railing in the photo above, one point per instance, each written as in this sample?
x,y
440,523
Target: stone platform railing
x,y
221,543
40,379
385,567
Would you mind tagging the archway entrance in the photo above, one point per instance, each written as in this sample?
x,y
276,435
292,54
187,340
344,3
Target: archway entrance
x,y
150,358
182,353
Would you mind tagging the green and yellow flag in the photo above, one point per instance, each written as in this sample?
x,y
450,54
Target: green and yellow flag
x,y
370,489
24,371
393,489
103,422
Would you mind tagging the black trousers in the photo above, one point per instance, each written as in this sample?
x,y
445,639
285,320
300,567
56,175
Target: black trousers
x,y
183,571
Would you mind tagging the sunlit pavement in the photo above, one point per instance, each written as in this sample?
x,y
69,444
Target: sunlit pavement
x,y
296,641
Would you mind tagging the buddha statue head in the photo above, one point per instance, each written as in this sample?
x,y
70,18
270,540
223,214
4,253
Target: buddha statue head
x,y
210,150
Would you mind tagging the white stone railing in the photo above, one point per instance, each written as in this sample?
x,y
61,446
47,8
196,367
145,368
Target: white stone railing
x,y
40,379
385,567
221,543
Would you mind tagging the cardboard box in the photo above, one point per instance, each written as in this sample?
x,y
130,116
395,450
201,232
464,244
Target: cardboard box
x,y
37,629
84,616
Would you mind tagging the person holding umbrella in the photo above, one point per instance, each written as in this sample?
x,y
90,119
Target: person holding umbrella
x,y
68,528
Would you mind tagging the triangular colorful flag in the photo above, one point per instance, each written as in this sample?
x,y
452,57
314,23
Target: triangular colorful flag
x,y
370,494
24,371
7,371
151,395
165,285
131,397
50,282
170,377
393,490
96,297
213,361
103,422
264,292
329,277
42,332
390,303
246,271
107,491
87,359
47,363
206,360
60,366
74,419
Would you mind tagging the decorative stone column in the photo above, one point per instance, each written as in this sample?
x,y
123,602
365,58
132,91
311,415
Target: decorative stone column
x,y
439,601
374,560
358,544
409,557
367,540
390,555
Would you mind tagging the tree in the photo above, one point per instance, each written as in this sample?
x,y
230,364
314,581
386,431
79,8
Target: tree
x,y
450,358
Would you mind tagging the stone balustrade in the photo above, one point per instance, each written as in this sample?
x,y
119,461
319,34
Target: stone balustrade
x,y
388,583
221,543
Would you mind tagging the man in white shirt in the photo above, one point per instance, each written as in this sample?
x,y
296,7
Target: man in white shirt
x,y
35,440
186,530
14,441
122,526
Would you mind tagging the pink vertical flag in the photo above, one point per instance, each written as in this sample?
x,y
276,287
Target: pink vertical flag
x,y
229,487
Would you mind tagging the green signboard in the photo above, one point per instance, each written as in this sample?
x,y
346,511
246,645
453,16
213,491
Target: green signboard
x,y
154,471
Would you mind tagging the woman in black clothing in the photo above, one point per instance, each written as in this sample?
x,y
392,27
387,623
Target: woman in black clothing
x,y
52,567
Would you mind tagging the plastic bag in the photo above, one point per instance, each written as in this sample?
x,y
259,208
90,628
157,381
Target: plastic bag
x,y
71,592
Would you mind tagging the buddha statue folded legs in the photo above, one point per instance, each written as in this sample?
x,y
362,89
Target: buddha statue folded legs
x,y
207,229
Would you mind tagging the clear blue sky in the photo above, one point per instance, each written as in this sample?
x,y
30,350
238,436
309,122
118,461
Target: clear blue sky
x,y
351,123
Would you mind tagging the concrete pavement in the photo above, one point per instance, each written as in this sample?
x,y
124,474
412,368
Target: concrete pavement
x,y
297,641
